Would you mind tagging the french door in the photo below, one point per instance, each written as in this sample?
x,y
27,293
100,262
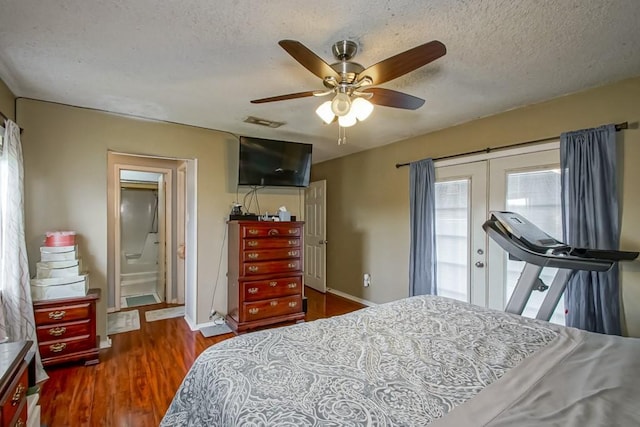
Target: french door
x,y
470,266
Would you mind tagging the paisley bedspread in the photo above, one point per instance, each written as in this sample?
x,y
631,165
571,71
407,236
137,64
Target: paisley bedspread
x,y
404,363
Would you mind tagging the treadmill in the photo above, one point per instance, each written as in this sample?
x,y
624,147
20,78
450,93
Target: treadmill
x,y
523,241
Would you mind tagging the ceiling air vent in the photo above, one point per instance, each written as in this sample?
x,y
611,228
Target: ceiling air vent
x,y
263,122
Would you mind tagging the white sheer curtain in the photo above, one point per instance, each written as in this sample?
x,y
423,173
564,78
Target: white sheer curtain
x,y
17,322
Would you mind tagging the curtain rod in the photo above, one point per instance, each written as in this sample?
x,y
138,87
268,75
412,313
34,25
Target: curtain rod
x,y
619,127
4,117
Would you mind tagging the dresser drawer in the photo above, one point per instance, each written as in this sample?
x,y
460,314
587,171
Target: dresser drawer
x,y
274,288
271,267
66,346
271,308
271,230
63,313
253,244
63,330
270,254
16,396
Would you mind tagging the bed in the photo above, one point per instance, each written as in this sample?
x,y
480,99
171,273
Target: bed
x,y
414,362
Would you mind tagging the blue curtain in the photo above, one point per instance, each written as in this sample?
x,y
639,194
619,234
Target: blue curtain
x,y
590,220
422,255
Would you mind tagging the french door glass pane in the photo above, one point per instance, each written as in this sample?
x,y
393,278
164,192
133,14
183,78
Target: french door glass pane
x,y
536,196
452,238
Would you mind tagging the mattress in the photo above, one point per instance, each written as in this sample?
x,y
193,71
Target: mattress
x,y
414,362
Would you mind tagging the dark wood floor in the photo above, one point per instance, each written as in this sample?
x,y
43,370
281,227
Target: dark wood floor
x,y
137,377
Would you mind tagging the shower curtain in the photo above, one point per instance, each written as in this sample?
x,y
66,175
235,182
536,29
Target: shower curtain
x,y
18,322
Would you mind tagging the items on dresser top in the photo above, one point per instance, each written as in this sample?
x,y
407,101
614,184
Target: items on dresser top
x,y
14,383
66,329
265,279
59,273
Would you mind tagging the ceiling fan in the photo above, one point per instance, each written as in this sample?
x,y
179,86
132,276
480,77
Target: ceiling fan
x,y
352,84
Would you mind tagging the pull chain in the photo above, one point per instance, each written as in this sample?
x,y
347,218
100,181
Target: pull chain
x,y
342,135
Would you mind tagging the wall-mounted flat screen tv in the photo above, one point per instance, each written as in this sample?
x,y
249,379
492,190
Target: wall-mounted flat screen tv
x,y
266,162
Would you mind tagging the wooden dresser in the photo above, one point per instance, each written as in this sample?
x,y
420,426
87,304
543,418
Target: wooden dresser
x,y
66,329
264,273
13,383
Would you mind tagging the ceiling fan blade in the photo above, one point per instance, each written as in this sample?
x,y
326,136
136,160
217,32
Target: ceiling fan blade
x,y
308,59
392,98
404,62
284,97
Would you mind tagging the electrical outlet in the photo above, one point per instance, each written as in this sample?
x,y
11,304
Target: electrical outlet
x,y
366,280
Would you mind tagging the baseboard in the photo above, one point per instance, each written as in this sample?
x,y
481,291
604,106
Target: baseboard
x,y
105,343
351,297
192,325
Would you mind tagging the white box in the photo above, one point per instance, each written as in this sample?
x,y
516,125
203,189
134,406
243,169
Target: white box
x,y
48,269
59,287
59,255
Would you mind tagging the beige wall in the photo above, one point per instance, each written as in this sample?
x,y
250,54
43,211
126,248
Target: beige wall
x,y
7,101
65,155
368,198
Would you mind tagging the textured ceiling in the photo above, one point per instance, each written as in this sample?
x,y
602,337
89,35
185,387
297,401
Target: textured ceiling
x,y
200,62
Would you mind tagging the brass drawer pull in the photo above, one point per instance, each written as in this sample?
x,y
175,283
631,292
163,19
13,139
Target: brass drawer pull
x,y
253,231
293,231
292,265
292,285
252,290
292,242
57,347
253,268
252,255
293,304
273,232
20,423
292,253
273,284
17,396
252,243
57,331
254,310
57,315
273,303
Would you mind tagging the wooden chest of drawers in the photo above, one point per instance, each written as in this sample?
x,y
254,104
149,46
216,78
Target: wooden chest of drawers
x,y
13,383
66,329
264,273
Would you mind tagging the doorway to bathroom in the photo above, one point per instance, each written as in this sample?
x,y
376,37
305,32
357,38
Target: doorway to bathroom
x,y
146,215
142,238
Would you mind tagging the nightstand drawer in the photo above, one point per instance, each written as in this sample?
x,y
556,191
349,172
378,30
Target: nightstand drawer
x,y
62,313
270,267
16,396
271,254
272,308
63,330
274,288
66,346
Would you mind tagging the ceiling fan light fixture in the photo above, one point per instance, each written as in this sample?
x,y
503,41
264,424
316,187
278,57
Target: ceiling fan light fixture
x,y
347,120
325,113
341,104
361,108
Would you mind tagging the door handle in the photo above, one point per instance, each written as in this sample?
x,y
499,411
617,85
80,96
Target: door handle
x,y
480,264
323,242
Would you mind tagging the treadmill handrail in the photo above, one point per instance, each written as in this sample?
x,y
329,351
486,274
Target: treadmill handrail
x,y
519,250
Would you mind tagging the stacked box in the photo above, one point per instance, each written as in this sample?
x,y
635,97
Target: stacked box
x,y
59,274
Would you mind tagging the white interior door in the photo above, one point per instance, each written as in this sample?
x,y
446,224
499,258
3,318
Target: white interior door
x,y
461,204
181,232
315,236
162,238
